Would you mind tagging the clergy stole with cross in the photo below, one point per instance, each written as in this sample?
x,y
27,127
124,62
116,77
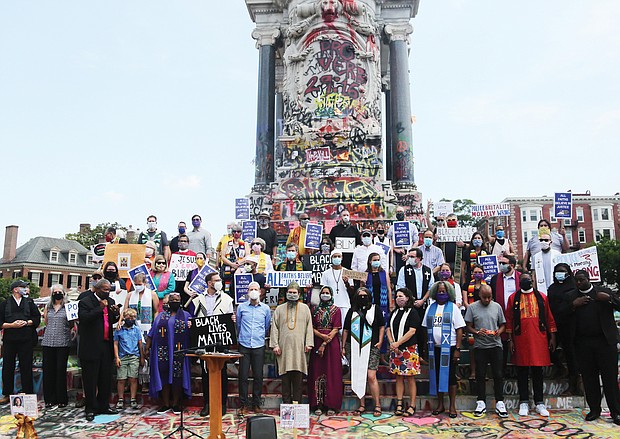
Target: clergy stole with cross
x,y
361,341
444,361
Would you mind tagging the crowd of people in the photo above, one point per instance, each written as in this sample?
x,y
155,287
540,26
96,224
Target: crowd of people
x,y
415,306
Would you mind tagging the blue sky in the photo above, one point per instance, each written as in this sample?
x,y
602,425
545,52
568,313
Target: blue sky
x,y
110,111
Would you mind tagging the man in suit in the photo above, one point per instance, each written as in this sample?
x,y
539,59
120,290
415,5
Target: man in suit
x,y
97,313
595,336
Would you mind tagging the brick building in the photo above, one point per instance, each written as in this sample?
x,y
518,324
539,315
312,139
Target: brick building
x,y
593,217
46,261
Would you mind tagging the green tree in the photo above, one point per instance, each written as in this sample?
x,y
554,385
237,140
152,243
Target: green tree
x,y
609,260
5,287
94,235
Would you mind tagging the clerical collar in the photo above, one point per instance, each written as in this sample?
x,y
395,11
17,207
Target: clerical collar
x,y
587,291
528,291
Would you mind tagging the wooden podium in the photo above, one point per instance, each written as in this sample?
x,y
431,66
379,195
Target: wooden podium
x,y
215,362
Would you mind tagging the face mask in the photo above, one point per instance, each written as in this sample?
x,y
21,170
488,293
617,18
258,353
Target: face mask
x,y
149,252
254,294
545,245
229,231
428,242
380,232
326,297
346,219
196,223
500,234
444,274
291,255
560,276
477,242
174,306
200,262
165,307
303,222
478,276
441,297
292,297
139,288
58,296
248,268
103,295
364,301
400,216
110,275
129,322
451,223
504,268
412,261
366,240
336,261
108,238
183,245
256,248
182,230
152,225
401,302
325,248
375,264
263,223
526,284
218,285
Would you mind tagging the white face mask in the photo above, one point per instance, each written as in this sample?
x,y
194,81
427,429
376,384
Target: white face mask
x,y
152,225
292,297
326,297
254,294
139,288
366,240
545,245
218,285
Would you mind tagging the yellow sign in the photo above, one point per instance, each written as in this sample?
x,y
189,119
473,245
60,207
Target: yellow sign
x,y
125,256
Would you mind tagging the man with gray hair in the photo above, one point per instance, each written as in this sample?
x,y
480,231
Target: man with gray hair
x,y
253,319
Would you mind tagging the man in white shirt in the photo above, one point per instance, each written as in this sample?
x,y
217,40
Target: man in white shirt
x,y
361,253
341,285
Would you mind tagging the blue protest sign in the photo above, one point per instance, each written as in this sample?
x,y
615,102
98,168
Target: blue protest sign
x,y
142,269
199,284
385,248
242,282
489,265
563,205
314,234
242,208
402,235
248,230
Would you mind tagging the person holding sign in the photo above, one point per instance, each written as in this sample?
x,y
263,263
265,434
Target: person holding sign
x,y
344,231
56,343
258,251
543,263
500,245
340,285
361,253
291,340
231,256
181,262
298,234
292,263
200,262
476,247
163,279
399,253
144,301
559,241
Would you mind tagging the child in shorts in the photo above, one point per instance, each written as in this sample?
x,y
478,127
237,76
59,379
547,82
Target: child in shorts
x,y
129,355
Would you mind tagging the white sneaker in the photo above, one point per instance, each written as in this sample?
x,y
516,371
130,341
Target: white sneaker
x,y
500,409
481,408
524,409
542,410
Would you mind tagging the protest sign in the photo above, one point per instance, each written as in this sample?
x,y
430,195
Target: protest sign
x,y
385,248
317,264
248,230
182,265
211,331
481,210
150,284
242,282
355,275
271,298
345,245
282,279
294,416
124,256
402,234
563,205
242,208
314,234
71,309
443,208
24,404
98,251
489,265
584,259
445,234
199,284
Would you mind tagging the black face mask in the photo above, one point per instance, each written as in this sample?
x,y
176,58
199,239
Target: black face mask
x,y
129,322
364,301
400,216
110,275
57,296
526,284
174,306
103,295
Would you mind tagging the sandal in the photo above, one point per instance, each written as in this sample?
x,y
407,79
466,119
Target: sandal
x,y
438,411
378,412
410,411
331,412
399,408
360,410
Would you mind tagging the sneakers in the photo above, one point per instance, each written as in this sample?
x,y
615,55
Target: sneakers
x,y
524,409
120,404
542,410
177,409
133,404
500,409
163,409
481,408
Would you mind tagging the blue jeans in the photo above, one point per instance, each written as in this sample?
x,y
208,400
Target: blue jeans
x,y
254,357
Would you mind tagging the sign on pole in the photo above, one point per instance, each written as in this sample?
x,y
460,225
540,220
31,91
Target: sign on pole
x,y
402,234
124,256
199,283
150,284
314,234
242,208
489,265
443,208
563,205
242,283
488,210
248,230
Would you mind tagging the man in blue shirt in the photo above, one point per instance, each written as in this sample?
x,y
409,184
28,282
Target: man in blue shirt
x,y
253,319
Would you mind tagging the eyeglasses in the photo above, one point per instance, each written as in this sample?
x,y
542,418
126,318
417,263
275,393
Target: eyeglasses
x,y
544,240
195,219
96,277
236,231
160,263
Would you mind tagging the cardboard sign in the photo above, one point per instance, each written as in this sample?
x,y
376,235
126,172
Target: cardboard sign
x,y
25,405
481,210
71,309
242,282
150,284
402,233
242,208
211,331
584,259
489,265
182,265
282,279
442,208
355,275
314,234
98,251
248,230
199,283
445,234
345,245
124,256
563,205
317,264
271,298
294,416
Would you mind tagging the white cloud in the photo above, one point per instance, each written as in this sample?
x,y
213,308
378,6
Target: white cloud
x,y
187,182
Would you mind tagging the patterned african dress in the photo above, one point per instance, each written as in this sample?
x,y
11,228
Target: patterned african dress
x,y
405,360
